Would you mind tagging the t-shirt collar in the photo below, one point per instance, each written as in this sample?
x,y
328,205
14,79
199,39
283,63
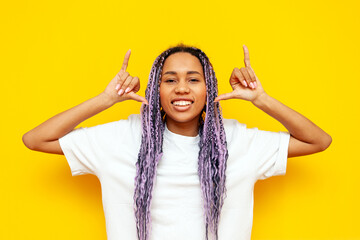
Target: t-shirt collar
x,y
180,138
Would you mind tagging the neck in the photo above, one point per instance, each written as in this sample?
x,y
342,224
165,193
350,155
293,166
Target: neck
x,y
190,129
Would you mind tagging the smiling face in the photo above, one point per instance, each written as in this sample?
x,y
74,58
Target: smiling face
x,y
182,92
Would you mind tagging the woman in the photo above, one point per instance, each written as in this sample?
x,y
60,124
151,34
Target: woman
x,y
194,170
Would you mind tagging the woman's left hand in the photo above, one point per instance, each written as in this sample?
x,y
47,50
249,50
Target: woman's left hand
x,y
244,83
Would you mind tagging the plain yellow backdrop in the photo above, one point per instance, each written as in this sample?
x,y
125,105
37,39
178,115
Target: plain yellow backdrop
x,y
54,55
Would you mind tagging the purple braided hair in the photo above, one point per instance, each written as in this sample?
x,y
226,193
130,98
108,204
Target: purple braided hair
x,y
212,155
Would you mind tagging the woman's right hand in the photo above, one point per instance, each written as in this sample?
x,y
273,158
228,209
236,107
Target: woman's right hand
x,y
123,86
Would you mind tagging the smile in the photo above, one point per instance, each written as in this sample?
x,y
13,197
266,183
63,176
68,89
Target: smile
x,y
182,103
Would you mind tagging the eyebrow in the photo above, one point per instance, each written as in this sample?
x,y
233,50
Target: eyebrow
x,y
188,72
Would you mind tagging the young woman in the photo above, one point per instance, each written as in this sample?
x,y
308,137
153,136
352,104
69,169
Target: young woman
x,y
178,170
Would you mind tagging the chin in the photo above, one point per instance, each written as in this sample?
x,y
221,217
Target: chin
x,y
182,118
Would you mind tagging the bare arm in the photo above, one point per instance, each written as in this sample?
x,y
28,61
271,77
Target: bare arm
x,y
45,137
306,138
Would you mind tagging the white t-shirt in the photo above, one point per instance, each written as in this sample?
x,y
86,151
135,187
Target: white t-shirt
x,y
110,152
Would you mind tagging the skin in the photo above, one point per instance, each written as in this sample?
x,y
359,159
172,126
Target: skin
x,y
306,137
182,78
44,138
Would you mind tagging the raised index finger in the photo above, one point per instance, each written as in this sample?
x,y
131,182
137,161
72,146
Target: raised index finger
x,y
126,60
246,56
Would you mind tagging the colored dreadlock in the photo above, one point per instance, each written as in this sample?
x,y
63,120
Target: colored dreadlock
x,y
213,152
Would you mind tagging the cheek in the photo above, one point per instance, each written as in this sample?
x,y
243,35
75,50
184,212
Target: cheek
x,y
163,95
203,93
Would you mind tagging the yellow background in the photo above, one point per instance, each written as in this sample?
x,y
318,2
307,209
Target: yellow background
x,y
54,55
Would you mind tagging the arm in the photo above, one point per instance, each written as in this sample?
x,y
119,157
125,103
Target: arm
x,y
45,137
306,138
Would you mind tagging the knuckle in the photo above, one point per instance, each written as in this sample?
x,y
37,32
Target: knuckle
x,y
131,86
124,76
243,71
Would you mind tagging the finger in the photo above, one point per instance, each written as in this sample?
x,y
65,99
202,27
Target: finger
x,y
252,74
138,98
246,75
135,81
123,77
126,60
256,78
246,56
121,82
224,96
117,86
126,84
239,76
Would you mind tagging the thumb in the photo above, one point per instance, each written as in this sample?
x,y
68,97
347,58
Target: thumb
x,y
224,96
138,98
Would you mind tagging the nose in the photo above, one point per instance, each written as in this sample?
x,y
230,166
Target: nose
x,y
182,88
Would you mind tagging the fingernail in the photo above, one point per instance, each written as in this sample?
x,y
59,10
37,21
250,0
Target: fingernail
x,y
121,91
255,84
117,86
127,90
251,85
245,84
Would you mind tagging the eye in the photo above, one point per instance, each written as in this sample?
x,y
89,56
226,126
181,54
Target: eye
x,y
194,80
169,80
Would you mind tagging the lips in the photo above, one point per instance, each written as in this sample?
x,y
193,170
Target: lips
x,y
182,101
182,104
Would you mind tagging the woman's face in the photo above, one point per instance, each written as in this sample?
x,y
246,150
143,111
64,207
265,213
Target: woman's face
x,y
182,88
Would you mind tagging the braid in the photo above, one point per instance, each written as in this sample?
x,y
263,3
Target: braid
x,y
212,155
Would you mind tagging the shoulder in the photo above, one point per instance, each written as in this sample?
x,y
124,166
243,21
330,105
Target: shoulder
x,y
236,131
130,127
131,123
111,131
232,123
134,118
233,129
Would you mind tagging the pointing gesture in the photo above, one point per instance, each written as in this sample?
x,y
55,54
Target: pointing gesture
x,y
123,86
126,61
244,82
246,56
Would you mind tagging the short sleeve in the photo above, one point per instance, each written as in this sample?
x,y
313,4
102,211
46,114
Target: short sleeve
x,y
87,149
269,151
264,152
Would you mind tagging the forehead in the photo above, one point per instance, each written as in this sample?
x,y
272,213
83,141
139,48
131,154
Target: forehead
x,y
181,62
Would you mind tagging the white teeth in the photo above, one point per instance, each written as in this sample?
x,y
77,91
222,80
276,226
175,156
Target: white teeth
x,y
182,103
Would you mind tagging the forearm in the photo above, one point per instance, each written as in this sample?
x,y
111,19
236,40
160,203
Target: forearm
x,y
298,126
306,137
64,122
